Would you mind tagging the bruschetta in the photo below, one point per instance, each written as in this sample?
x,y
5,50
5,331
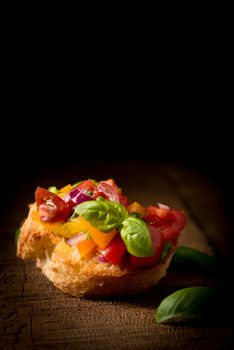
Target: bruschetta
x,y
91,242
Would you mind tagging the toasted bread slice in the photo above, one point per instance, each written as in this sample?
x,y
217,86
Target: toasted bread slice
x,y
77,276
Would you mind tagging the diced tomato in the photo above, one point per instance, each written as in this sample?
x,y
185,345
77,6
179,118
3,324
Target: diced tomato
x,y
110,191
169,221
126,262
158,243
107,191
51,207
123,199
113,184
156,215
87,186
173,228
115,250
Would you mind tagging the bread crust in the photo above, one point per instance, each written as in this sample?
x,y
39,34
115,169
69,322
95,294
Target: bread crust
x,y
34,239
63,265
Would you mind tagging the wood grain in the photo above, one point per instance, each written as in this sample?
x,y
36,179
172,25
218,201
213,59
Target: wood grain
x,y
35,315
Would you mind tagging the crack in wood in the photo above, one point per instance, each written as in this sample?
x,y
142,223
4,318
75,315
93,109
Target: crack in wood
x,y
11,313
19,331
31,325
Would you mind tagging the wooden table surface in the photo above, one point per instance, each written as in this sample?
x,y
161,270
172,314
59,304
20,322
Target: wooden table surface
x,y
36,315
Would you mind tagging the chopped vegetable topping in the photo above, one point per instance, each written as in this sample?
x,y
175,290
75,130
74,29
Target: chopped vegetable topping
x,y
95,217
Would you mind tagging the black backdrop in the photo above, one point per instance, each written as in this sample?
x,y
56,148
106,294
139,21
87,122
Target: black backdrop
x,y
40,143
162,96
50,124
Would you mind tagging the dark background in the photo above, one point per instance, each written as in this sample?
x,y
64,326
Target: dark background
x,y
42,143
59,118
159,92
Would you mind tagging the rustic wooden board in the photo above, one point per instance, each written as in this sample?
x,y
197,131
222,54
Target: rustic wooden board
x,y
35,315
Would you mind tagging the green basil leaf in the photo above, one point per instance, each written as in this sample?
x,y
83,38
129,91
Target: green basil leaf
x,y
186,255
102,214
135,215
186,304
17,233
136,237
53,189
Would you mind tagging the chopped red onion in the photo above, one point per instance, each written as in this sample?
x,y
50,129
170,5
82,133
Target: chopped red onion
x,y
77,196
102,259
74,240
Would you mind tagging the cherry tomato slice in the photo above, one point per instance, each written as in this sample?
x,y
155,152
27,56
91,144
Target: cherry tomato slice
x,y
115,250
158,243
123,199
87,186
110,191
107,191
51,207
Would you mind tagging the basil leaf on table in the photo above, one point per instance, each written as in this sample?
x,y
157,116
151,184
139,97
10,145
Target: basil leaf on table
x,y
102,214
136,237
185,255
187,304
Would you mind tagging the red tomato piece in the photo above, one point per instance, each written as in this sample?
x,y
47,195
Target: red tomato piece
x,y
110,191
156,215
107,191
87,186
173,228
115,250
158,244
123,199
51,207
169,221
113,184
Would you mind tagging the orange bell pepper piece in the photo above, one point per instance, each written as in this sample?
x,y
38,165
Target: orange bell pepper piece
x,y
135,207
100,238
86,247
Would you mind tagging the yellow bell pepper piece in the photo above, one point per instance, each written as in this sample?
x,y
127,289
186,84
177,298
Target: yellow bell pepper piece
x,y
135,207
66,230
66,189
100,238
78,225
71,228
